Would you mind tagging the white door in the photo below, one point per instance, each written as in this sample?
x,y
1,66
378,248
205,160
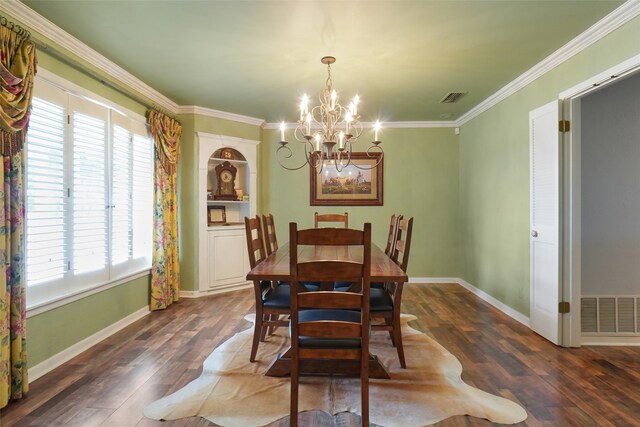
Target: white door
x,y
544,160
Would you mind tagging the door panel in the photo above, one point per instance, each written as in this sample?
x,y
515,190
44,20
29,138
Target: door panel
x,y
544,155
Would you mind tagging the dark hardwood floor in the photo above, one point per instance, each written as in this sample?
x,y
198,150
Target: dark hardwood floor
x,y
110,384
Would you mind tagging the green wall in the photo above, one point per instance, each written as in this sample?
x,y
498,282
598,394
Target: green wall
x,y
494,173
420,180
51,332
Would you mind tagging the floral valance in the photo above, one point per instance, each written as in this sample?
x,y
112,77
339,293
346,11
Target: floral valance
x,y
166,133
17,71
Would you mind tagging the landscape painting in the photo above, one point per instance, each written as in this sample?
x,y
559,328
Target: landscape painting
x,y
357,183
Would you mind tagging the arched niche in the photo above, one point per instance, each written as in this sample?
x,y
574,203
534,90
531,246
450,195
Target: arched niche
x,y
212,150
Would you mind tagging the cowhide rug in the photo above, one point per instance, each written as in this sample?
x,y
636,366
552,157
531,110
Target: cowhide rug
x,y
232,392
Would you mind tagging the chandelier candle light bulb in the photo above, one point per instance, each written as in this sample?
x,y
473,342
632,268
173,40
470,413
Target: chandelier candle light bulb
x,y
334,124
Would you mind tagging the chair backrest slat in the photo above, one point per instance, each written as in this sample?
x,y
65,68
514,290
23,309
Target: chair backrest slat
x,y
332,218
323,299
330,237
270,239
255,244
393,234
321,329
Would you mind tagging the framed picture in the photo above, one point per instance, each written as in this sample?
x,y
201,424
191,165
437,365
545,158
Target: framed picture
x,y
216,215
358,184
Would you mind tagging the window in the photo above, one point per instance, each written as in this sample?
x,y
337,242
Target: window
x,y
89,211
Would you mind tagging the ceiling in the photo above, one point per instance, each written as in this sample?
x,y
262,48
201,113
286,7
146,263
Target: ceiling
x,y
257,58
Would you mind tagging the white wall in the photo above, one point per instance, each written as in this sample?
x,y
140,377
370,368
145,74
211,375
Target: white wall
x,y
611,189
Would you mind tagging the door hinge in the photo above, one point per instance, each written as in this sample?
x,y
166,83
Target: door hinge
x,y
564,126
564,307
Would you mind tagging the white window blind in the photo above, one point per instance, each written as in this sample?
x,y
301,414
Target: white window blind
x,y
142,180
89,212
46,193
89,189
121,201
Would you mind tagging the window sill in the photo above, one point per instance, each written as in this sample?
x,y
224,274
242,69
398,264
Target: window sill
x,y
44,306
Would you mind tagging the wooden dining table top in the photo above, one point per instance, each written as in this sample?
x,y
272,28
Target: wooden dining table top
x,y
276,265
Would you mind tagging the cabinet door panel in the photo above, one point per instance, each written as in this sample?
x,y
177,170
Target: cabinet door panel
x,y
227,265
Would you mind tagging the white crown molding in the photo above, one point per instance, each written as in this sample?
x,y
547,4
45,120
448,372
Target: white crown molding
x,y
40,24
227,141
623,14
386,125
626,12
209,112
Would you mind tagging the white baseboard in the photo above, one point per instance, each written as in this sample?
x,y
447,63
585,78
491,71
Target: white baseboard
x,y
214,291
514,314
611,341
433,280
69,353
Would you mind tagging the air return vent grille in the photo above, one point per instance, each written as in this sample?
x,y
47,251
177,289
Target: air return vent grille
x,y
452,97
610,315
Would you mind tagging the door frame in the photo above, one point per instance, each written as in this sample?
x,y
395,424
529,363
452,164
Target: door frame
x,y
571,209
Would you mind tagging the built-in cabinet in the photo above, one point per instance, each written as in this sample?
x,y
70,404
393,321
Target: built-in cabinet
x,y
223,259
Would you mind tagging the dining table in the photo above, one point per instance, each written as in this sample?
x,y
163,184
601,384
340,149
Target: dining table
x,y
276,268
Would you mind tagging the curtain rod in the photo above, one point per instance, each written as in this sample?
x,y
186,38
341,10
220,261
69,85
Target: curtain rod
x,y
21,31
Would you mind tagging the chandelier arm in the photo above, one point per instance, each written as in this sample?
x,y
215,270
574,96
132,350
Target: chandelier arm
x,y
286,156
375,149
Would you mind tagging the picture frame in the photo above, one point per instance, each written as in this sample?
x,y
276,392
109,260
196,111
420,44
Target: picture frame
x,y
216,215
361,183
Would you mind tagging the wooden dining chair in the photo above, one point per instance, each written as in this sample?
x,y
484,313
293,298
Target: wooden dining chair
x,y
270,239
330,324
332,218
272,300
386,301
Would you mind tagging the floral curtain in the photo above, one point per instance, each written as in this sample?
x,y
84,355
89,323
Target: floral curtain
x,y
165,268
17,70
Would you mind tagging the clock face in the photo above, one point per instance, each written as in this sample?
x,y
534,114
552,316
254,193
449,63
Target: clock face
x,y
226,176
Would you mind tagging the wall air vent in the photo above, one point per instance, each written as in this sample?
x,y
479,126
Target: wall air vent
x,y
452,97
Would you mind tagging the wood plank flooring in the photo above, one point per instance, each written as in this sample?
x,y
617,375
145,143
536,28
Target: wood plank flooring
x,y
110,384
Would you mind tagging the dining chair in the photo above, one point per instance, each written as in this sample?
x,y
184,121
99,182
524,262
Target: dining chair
x,y
332,218
393,234
270,239
386,301
330,324
272,300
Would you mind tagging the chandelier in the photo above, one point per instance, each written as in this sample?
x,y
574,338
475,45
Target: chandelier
x,y
328,131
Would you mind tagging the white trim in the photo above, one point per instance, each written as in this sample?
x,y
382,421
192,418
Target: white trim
x,y
626,12
69,353
45,306
434,280
618,341
514,314
228,141
210,112
603,78
217,290
385,125
40,24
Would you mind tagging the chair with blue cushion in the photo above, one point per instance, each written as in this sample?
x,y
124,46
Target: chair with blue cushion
x,y
272,300
330,324
386,301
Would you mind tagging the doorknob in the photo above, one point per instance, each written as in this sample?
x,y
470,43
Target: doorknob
x,y
534,233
